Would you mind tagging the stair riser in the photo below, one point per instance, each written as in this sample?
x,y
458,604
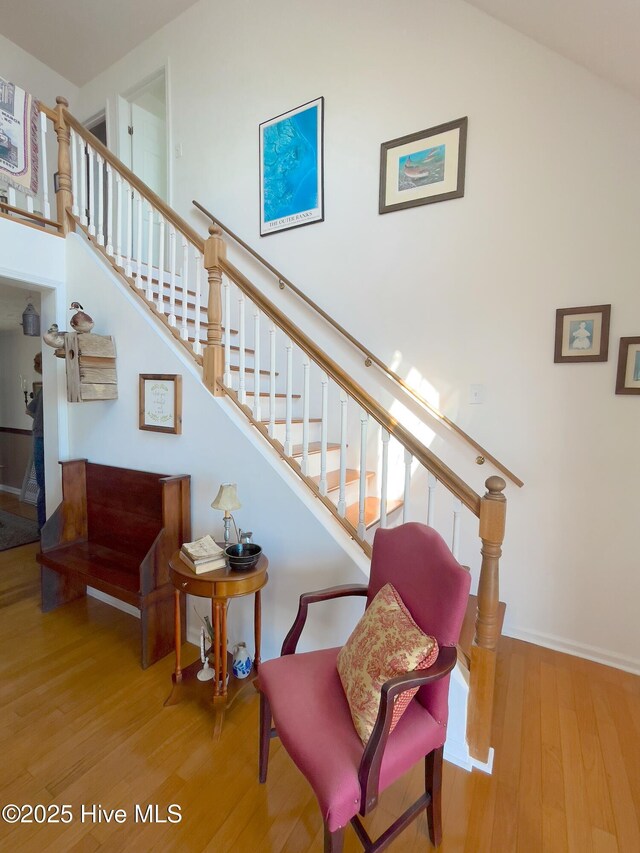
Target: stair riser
x,y
280,410
352,493
333,462
296,432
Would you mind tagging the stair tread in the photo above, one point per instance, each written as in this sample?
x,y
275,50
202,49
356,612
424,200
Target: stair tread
x,y
277,396
333,478
314,447
235,368
469,623
293,421
371,511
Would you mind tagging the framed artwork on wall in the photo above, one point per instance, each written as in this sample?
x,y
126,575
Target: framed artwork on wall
x,y
423,167
291,168
582,334
628,378
160,402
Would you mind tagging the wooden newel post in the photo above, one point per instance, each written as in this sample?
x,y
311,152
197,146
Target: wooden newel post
x,y
493,511
213,360
64,193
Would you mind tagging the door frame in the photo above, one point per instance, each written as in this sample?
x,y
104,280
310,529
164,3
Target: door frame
x,y
124,112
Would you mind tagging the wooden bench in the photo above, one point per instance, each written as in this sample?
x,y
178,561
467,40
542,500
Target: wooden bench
x,y
115,531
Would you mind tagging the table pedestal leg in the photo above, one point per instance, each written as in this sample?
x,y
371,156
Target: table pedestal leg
x,y
257,628
177,675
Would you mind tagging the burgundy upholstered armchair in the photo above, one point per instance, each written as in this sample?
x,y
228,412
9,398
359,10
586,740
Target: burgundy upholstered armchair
x,y
303,694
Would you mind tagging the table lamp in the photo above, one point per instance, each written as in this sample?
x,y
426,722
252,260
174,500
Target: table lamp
x,y
227,500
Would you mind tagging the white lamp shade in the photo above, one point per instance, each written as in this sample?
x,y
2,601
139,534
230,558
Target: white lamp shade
x,y
227,498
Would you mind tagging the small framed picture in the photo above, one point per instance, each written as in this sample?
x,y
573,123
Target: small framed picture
x,y
628,378
423,167
582,334
161,402
291,169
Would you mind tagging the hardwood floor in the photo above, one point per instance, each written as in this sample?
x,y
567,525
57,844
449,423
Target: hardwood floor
x,y
81,723
12,503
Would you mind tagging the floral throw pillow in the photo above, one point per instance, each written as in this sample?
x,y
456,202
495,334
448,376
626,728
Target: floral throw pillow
x,y
386,642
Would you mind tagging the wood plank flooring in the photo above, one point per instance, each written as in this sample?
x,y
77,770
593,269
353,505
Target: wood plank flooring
x,y
81,723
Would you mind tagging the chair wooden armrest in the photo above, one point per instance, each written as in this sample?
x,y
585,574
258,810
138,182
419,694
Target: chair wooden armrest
x,y
369,772
307,598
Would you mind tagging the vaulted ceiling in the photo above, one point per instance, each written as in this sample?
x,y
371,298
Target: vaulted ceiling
x,y
81,38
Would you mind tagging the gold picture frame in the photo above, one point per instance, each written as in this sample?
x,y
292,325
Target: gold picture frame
x,y
160,402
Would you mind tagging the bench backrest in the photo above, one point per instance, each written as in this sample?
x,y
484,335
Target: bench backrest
x,y
124,508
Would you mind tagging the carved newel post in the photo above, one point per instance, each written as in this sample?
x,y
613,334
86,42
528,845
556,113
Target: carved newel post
x,y
213,360
493,511
64,193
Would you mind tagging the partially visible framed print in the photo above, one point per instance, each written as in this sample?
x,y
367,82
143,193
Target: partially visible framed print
x,y
628,378
423,167
161,402
291,169
582,334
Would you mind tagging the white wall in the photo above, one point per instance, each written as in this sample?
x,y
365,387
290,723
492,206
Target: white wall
x,y
29,73
213,450
16,357
464,291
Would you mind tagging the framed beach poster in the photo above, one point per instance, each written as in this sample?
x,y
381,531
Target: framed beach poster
x,y
160,407
628,377
291,169
423,167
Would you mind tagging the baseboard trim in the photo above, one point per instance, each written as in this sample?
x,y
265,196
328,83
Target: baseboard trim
x,y
581,650
10,489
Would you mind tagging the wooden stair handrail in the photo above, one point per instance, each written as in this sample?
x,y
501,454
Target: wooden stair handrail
x,y
430,461
371,358
146,192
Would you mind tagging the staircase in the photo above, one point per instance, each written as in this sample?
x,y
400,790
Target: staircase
x,y
363,466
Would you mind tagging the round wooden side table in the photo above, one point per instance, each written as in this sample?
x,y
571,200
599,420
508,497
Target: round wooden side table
x,y
220,586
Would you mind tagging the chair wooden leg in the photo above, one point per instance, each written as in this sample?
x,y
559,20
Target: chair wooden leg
x,y
433,787
333,841
265,736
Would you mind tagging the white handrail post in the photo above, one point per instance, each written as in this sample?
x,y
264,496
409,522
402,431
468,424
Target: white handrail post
x,y
150,255
324,384
408,459
305,415
172,286
342,506
455,537
84,168
257,411
100,163
109,228
161,227
197,346
242,372
227,332
46,207
384,477
184,330
431,508
92,193
139,202
289,401
119,218
272,380
129,245
75,184
364,422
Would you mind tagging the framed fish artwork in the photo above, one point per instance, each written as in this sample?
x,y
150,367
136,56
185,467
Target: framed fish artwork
x,y
291,169
423,167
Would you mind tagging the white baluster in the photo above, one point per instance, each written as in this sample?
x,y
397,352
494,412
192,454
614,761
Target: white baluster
x,y
272,380
431,508
364,423
109,247
455,538
184,331
257,410
289,402
305,415
75,186
172,280
119,218
227,332
83,181
197,259
384,478
12,197
242,386
161,226
92,193
46,207
324,384
139,203
100,162
342,506
150,254
408,459
30,203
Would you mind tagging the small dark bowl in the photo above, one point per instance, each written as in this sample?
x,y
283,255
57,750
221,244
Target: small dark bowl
x,y
243,557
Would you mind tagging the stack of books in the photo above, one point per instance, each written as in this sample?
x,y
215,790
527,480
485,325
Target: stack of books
x,y
203,555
